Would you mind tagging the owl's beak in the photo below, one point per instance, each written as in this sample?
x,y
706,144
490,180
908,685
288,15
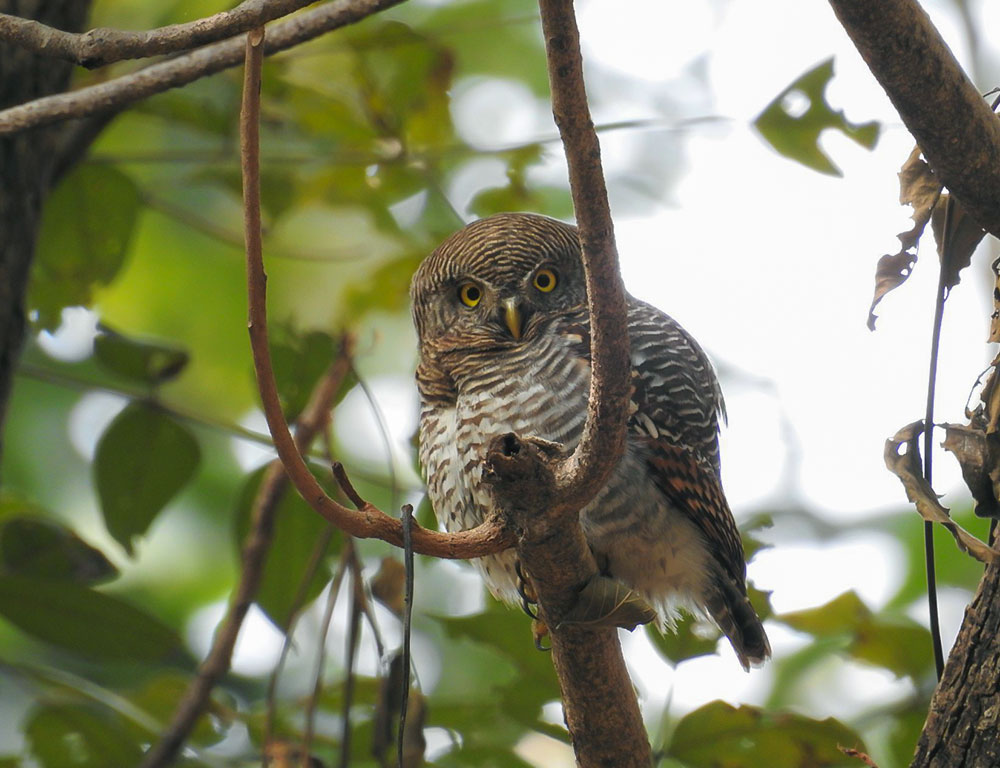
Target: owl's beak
x,y
512,317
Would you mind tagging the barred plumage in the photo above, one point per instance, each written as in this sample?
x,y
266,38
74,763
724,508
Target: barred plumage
x,y
511,353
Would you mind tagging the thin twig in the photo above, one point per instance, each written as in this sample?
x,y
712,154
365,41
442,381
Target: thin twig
x,y
118,93
102,46
942,295
407,518
340,475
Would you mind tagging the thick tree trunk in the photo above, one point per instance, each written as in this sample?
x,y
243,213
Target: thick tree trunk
x,y
963,725
29,162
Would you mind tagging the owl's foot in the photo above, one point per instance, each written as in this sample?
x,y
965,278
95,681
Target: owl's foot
x,y
527,594
606,602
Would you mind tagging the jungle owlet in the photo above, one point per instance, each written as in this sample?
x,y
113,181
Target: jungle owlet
x,y
501,314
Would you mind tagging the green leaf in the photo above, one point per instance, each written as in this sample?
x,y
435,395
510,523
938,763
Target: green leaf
x,y
143,459
83,620
795,132
37,547
86,229
297,528
161,696
499,38
719,734
299,360
141,361
842,614
549,201
80,736
386,289
895,643
509,635
683,641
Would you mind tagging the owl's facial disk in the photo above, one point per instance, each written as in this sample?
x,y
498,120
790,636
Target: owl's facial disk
x,y
498,282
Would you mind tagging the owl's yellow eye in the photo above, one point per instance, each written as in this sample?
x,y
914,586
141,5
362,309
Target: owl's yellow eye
x,y
545,280
470,294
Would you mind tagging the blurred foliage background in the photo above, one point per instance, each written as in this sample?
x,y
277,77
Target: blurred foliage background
x,y
134,442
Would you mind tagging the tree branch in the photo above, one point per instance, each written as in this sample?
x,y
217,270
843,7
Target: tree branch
x,y
273,485
603,440
542,491
102,46
120,92
369,521
955,128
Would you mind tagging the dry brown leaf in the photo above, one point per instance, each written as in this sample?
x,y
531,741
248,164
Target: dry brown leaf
x,y
978,455
963,237
389,583
286,754
414,744
918,187
608,602
906,467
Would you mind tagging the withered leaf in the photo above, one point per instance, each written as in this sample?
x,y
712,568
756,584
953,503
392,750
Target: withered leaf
x,y
978,455
963,236
286,754
608,602
906,467
919,188
389,583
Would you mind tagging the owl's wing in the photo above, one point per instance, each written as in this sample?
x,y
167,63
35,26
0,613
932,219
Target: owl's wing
x,y
678,404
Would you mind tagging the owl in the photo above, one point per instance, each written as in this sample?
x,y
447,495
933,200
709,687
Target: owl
x,y
500,310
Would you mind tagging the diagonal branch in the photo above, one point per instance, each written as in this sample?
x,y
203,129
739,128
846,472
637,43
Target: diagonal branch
x,y
369,521
955,128
603,440
102,46
116,94
543,492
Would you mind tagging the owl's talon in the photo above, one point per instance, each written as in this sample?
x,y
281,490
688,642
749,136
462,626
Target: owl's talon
x,y
539,631
526,593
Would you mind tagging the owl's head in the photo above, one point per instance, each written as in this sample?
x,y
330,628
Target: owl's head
x,y
498,281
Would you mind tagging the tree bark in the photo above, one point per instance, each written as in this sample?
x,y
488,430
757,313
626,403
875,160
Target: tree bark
x,y
964,719
28,163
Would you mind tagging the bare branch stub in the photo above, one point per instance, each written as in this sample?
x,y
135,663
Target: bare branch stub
x,y
928,88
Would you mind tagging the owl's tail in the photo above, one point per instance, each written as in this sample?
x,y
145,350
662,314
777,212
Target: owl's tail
x,y
730,608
